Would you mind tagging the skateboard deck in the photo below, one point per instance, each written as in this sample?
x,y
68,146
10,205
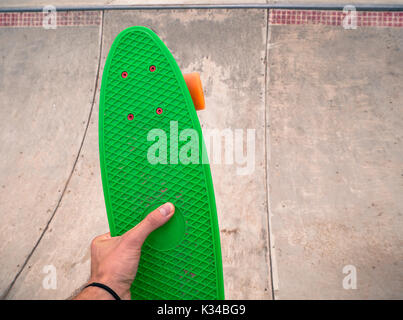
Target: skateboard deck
x,y
144,96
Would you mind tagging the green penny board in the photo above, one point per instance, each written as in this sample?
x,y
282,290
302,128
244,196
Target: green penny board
x,y
143,89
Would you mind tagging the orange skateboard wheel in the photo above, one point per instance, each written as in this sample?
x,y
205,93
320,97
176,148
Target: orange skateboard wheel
x,y
194,85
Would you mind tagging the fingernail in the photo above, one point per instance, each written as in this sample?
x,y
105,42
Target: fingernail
x,y
165,209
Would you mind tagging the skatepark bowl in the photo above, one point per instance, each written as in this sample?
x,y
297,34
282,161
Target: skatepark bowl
x,y
309,203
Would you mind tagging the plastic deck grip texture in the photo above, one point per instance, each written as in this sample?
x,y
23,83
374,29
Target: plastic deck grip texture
x,y
182,259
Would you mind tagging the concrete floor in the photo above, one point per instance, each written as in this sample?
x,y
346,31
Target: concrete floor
x,y
325,193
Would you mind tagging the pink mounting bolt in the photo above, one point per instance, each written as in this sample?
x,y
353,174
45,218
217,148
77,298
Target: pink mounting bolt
x,y
152,68
130,117
124,74
159,110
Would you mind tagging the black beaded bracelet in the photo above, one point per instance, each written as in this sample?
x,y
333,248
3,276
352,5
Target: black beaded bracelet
x,y
106,288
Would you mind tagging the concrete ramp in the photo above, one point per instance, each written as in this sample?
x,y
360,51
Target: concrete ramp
x,y
335,166
47,80
318,215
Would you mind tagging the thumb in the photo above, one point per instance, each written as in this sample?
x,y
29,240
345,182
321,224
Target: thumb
x,y
137,235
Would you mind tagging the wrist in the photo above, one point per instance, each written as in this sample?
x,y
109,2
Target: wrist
x,y
94,293
121,289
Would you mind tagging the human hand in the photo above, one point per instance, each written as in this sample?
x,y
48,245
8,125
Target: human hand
x,y
114,260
